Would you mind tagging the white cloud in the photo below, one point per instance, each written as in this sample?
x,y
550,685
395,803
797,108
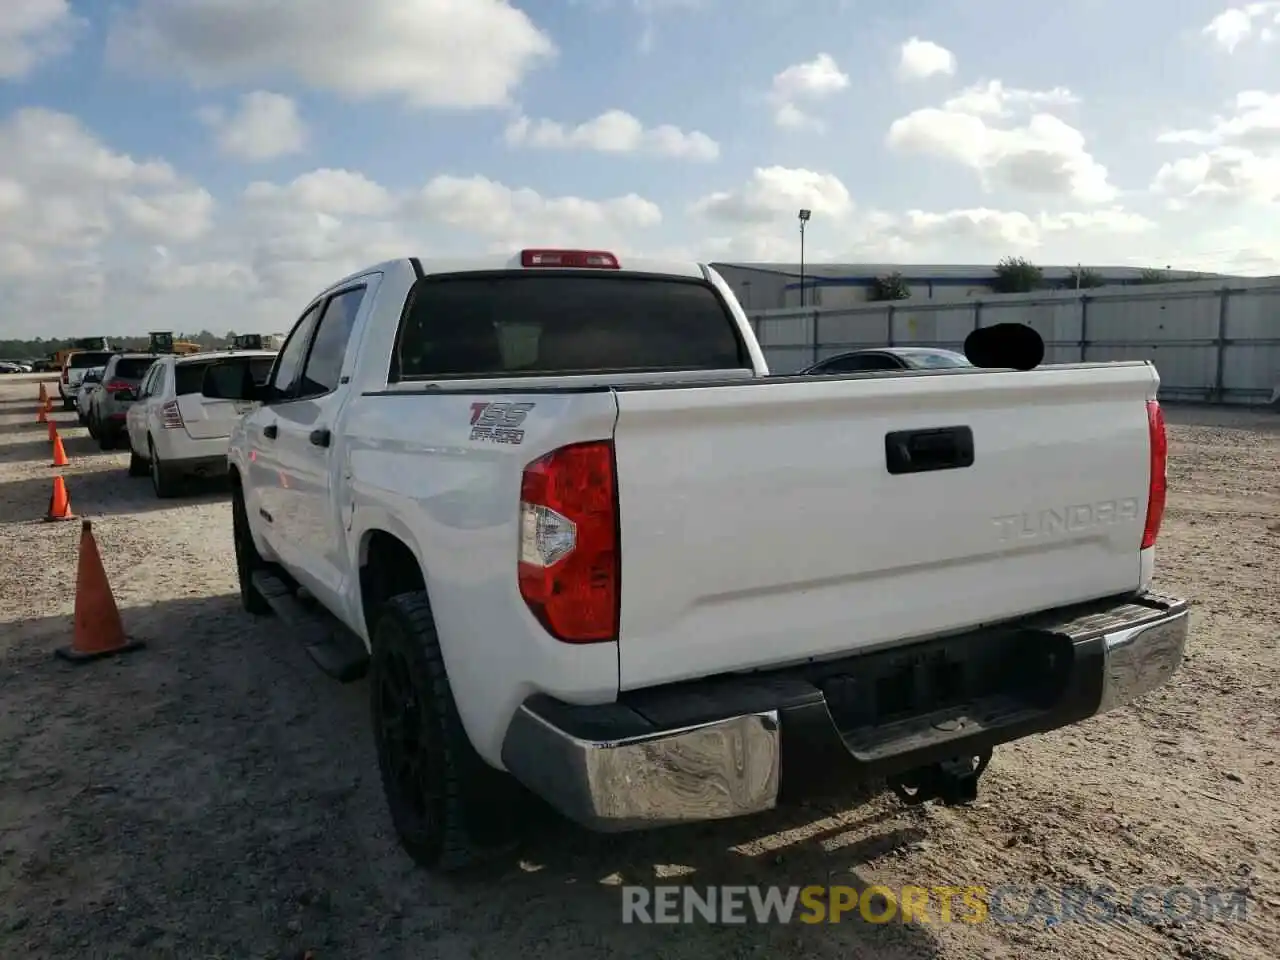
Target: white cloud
x,y
805,83
66,191
72,209
266,126
173,215
1240,162
512,217
777,194
126,237
326,191
1224,175
1235,25
1009,229
994,99
430,53
32,31
614,131
921,59
1255,124
1044,156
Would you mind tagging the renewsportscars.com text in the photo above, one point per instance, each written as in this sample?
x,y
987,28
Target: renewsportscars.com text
x,y
932,904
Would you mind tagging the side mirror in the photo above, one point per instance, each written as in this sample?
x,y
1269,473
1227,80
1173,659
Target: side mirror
x,y
1005,345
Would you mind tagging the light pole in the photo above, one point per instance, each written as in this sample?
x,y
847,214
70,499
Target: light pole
x,y
804,218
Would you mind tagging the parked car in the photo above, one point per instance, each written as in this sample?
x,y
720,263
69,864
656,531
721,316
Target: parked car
x,y
175,428
581,540
92,377
74,366
891,358
110,401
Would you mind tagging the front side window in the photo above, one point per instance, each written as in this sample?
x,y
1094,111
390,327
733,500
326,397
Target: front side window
x,y
324,363
289,363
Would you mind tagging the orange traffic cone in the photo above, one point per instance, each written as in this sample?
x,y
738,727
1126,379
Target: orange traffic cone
x,y
59,454
44,394
98,630
59,502
43,415
53,430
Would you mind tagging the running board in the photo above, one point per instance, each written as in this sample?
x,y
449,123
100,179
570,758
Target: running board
x,y
334,649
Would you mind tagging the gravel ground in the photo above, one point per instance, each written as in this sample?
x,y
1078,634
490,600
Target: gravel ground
x,y
214,795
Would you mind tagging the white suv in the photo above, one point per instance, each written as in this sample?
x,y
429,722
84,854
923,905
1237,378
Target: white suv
x,y
175,430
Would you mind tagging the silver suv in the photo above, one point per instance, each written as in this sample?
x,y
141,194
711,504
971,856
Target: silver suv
x,y
111,399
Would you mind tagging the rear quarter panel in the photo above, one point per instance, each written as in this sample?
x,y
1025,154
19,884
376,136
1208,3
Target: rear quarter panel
x,y
419,468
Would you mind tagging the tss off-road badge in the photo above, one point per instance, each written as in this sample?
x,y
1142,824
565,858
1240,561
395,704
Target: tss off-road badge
x,y
499,422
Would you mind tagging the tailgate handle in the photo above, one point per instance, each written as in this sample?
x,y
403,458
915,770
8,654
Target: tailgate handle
x,y
918,451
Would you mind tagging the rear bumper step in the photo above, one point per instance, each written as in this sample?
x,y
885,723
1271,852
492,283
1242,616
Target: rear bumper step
x,y
722,747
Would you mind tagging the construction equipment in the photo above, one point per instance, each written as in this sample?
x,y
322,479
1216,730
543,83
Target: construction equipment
x,y
257,341
162,342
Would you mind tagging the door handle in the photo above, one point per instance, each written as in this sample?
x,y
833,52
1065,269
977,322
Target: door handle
x,y
918,451
320,437
270,431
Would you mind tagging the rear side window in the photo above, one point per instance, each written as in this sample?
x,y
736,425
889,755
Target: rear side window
x,y
132,368
188,377
80,361
226,377
529,324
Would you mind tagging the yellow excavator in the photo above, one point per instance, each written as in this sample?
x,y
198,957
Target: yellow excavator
x,y
162,342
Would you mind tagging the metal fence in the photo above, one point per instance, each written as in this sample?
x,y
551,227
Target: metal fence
x,y
1210,342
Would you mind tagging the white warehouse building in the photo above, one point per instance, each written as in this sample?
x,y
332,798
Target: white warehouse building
x,y
773,286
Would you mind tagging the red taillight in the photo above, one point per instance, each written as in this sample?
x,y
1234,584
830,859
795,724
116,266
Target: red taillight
x,y
591,259
1158,487
568,565
117,385
66,376
170,415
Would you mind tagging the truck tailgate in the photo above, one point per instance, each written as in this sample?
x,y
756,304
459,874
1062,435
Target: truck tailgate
x,y
760,524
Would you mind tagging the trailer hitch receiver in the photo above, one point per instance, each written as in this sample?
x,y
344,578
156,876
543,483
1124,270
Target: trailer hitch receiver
x,y
952,782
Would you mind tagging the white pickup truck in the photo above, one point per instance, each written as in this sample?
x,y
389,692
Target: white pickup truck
x,y
582,541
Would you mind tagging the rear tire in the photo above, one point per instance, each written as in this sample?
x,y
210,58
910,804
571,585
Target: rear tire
x,y
163,479
106,439
248,560
450,809
138,467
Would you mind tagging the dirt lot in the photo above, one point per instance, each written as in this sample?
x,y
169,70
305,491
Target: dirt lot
x,y
215,796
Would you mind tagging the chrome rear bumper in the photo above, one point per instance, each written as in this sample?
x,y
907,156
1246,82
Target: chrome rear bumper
x,y
715,749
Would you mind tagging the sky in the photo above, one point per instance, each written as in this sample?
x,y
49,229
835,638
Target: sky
x,y
213,164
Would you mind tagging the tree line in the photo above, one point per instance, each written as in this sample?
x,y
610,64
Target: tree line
x,y
1019,275
39,347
